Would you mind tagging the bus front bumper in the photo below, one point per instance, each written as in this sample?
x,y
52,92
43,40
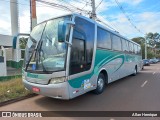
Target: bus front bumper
x,y
59,91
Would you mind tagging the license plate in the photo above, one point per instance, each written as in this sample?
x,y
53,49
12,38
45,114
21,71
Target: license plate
x,y
35,89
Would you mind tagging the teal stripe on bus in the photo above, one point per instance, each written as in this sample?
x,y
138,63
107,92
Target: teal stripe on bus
x,y
102,58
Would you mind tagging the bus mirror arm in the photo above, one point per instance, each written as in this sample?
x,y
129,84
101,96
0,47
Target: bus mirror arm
x,y
72,24
70,44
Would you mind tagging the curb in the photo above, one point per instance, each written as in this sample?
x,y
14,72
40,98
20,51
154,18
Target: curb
x,y
17,99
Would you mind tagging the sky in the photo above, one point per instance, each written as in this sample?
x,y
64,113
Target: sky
x,y
144,15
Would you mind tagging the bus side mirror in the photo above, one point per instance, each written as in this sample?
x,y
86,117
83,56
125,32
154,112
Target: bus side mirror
x,y
63,30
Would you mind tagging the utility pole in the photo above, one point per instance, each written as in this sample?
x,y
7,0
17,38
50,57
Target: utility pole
x,y
145,47
14,17
93,14
33,13
15,31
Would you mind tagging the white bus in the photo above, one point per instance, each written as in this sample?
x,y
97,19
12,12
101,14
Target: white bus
x,y
70,55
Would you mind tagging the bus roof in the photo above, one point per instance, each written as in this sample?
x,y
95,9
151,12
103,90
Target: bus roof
x,y
104,27
95,22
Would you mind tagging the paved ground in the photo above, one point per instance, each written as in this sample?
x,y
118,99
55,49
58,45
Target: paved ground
x,y
132,93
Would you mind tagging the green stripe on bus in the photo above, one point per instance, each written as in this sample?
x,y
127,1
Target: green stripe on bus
x,y
102,58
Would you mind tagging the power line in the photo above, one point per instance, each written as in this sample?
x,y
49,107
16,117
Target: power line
x,y
99,4
86,1
114,27
55,5
78,9
128,18
84,6
68,8
81,1
62,7
19,3
51,6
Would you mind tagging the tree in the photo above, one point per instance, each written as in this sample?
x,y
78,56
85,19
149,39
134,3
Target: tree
x,y
23,42
141,41
153,39
150,51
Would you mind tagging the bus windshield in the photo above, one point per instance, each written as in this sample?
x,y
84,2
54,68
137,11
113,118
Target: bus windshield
x,y
44,54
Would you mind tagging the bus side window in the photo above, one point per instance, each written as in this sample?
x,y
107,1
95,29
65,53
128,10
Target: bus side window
x,y
116,43
103,39
130,47
125,45
133,49
136,49
139,50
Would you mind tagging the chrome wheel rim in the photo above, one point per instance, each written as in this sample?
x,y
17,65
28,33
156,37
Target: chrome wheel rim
x,y
100,83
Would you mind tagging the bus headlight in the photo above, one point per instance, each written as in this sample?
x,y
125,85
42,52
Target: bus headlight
x,y
57,80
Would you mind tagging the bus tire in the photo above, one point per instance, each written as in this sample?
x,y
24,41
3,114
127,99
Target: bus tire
x,y
135,71
100,84
142,67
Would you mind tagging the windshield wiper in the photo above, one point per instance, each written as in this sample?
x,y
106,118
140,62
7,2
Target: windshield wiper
x,y
34,41
39,56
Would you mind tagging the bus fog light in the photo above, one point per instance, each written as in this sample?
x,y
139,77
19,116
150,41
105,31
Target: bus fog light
x,y
57,80
23,77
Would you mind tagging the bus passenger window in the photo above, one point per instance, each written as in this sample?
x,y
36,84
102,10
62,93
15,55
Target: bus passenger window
x,y
103,39
136,49
139,50
130,47
116,43
125,45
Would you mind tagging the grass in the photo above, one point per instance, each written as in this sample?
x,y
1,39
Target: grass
x,y
12,89
6,78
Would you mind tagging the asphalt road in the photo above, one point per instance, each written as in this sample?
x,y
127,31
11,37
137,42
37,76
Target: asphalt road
x,y
132,93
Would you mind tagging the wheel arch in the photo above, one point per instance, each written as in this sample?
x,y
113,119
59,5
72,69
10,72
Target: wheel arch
x,y
136,66
105,73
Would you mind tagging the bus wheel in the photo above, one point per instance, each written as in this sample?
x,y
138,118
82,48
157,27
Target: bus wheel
x,y
100,84
135,71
